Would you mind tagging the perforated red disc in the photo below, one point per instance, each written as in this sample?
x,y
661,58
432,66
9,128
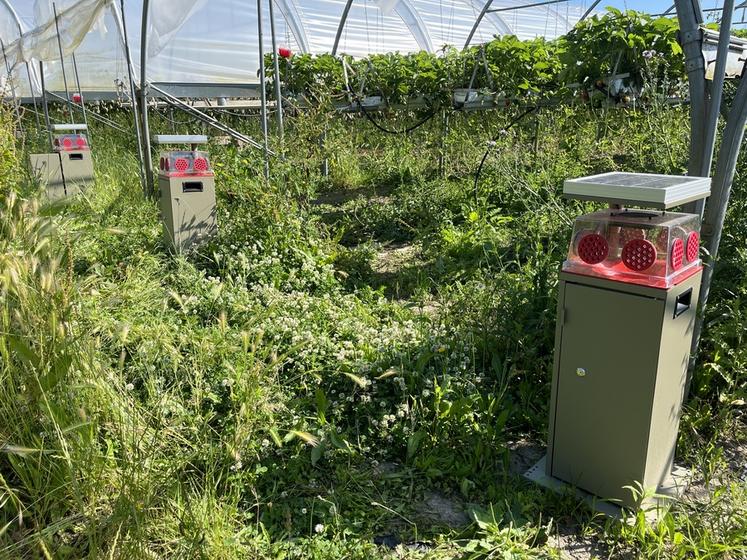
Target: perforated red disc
x,y
628,234
677,254
593,248
82,142
200,164
639,254
181,164
693,246
67,142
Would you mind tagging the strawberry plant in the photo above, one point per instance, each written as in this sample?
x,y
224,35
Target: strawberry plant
x,y
617,43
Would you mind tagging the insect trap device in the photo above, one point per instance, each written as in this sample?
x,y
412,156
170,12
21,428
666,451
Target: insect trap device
x,y
627,301
69,168
186,186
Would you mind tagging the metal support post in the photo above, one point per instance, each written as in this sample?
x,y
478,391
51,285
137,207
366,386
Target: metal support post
x,y
276,70
718,202
33,97
82,101
62,59
590,9
479,19
262,92
444,135
341,26
338,36
690,18
703,121
133,98
147,156
45,105
717,88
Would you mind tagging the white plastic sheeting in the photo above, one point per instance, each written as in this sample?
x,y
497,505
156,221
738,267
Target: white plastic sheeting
x,y
166,18
75,20
196,41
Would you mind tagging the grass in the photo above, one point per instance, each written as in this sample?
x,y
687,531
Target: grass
x,y
274,395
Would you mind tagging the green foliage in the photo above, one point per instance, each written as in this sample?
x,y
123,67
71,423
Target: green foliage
x,y
620,42
520,67
343,351
9,165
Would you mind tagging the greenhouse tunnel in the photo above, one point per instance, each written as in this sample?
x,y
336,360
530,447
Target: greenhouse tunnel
x,y
200,42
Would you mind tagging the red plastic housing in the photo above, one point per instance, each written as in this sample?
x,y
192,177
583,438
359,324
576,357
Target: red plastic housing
x,y
70,142
651,248
184,164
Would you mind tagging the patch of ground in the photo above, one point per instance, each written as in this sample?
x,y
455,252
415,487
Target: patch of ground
x,y
378,194
392,258
524,454
437,509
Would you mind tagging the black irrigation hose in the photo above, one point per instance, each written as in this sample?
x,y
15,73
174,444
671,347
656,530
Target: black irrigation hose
x,y
491,144
407,130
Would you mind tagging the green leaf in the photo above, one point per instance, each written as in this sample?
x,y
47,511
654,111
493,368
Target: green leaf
x,y
275,437
321,404
317,453
413,443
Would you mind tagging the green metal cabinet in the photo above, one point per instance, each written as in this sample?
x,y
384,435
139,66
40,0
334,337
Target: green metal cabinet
x,y
77,170
621,355
47,169
64,173
187,209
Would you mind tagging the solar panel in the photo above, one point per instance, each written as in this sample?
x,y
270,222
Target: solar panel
x,y
638,189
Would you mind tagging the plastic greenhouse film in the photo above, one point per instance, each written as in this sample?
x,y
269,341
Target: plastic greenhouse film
x,y
40,43
44,11
386,6
165,20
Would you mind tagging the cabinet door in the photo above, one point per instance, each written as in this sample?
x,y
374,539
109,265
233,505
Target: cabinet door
x,y
606,377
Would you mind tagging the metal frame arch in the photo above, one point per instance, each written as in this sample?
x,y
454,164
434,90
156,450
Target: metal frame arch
x,y
416,25
497,21
292,16
560,16
13,12
31,74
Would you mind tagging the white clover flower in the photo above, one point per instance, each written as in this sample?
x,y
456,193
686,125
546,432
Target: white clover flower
x,y
318,528
129,387
265,443
303,511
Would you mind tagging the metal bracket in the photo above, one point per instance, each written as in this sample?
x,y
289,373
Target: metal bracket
x,y
691,36
180,139
695,63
